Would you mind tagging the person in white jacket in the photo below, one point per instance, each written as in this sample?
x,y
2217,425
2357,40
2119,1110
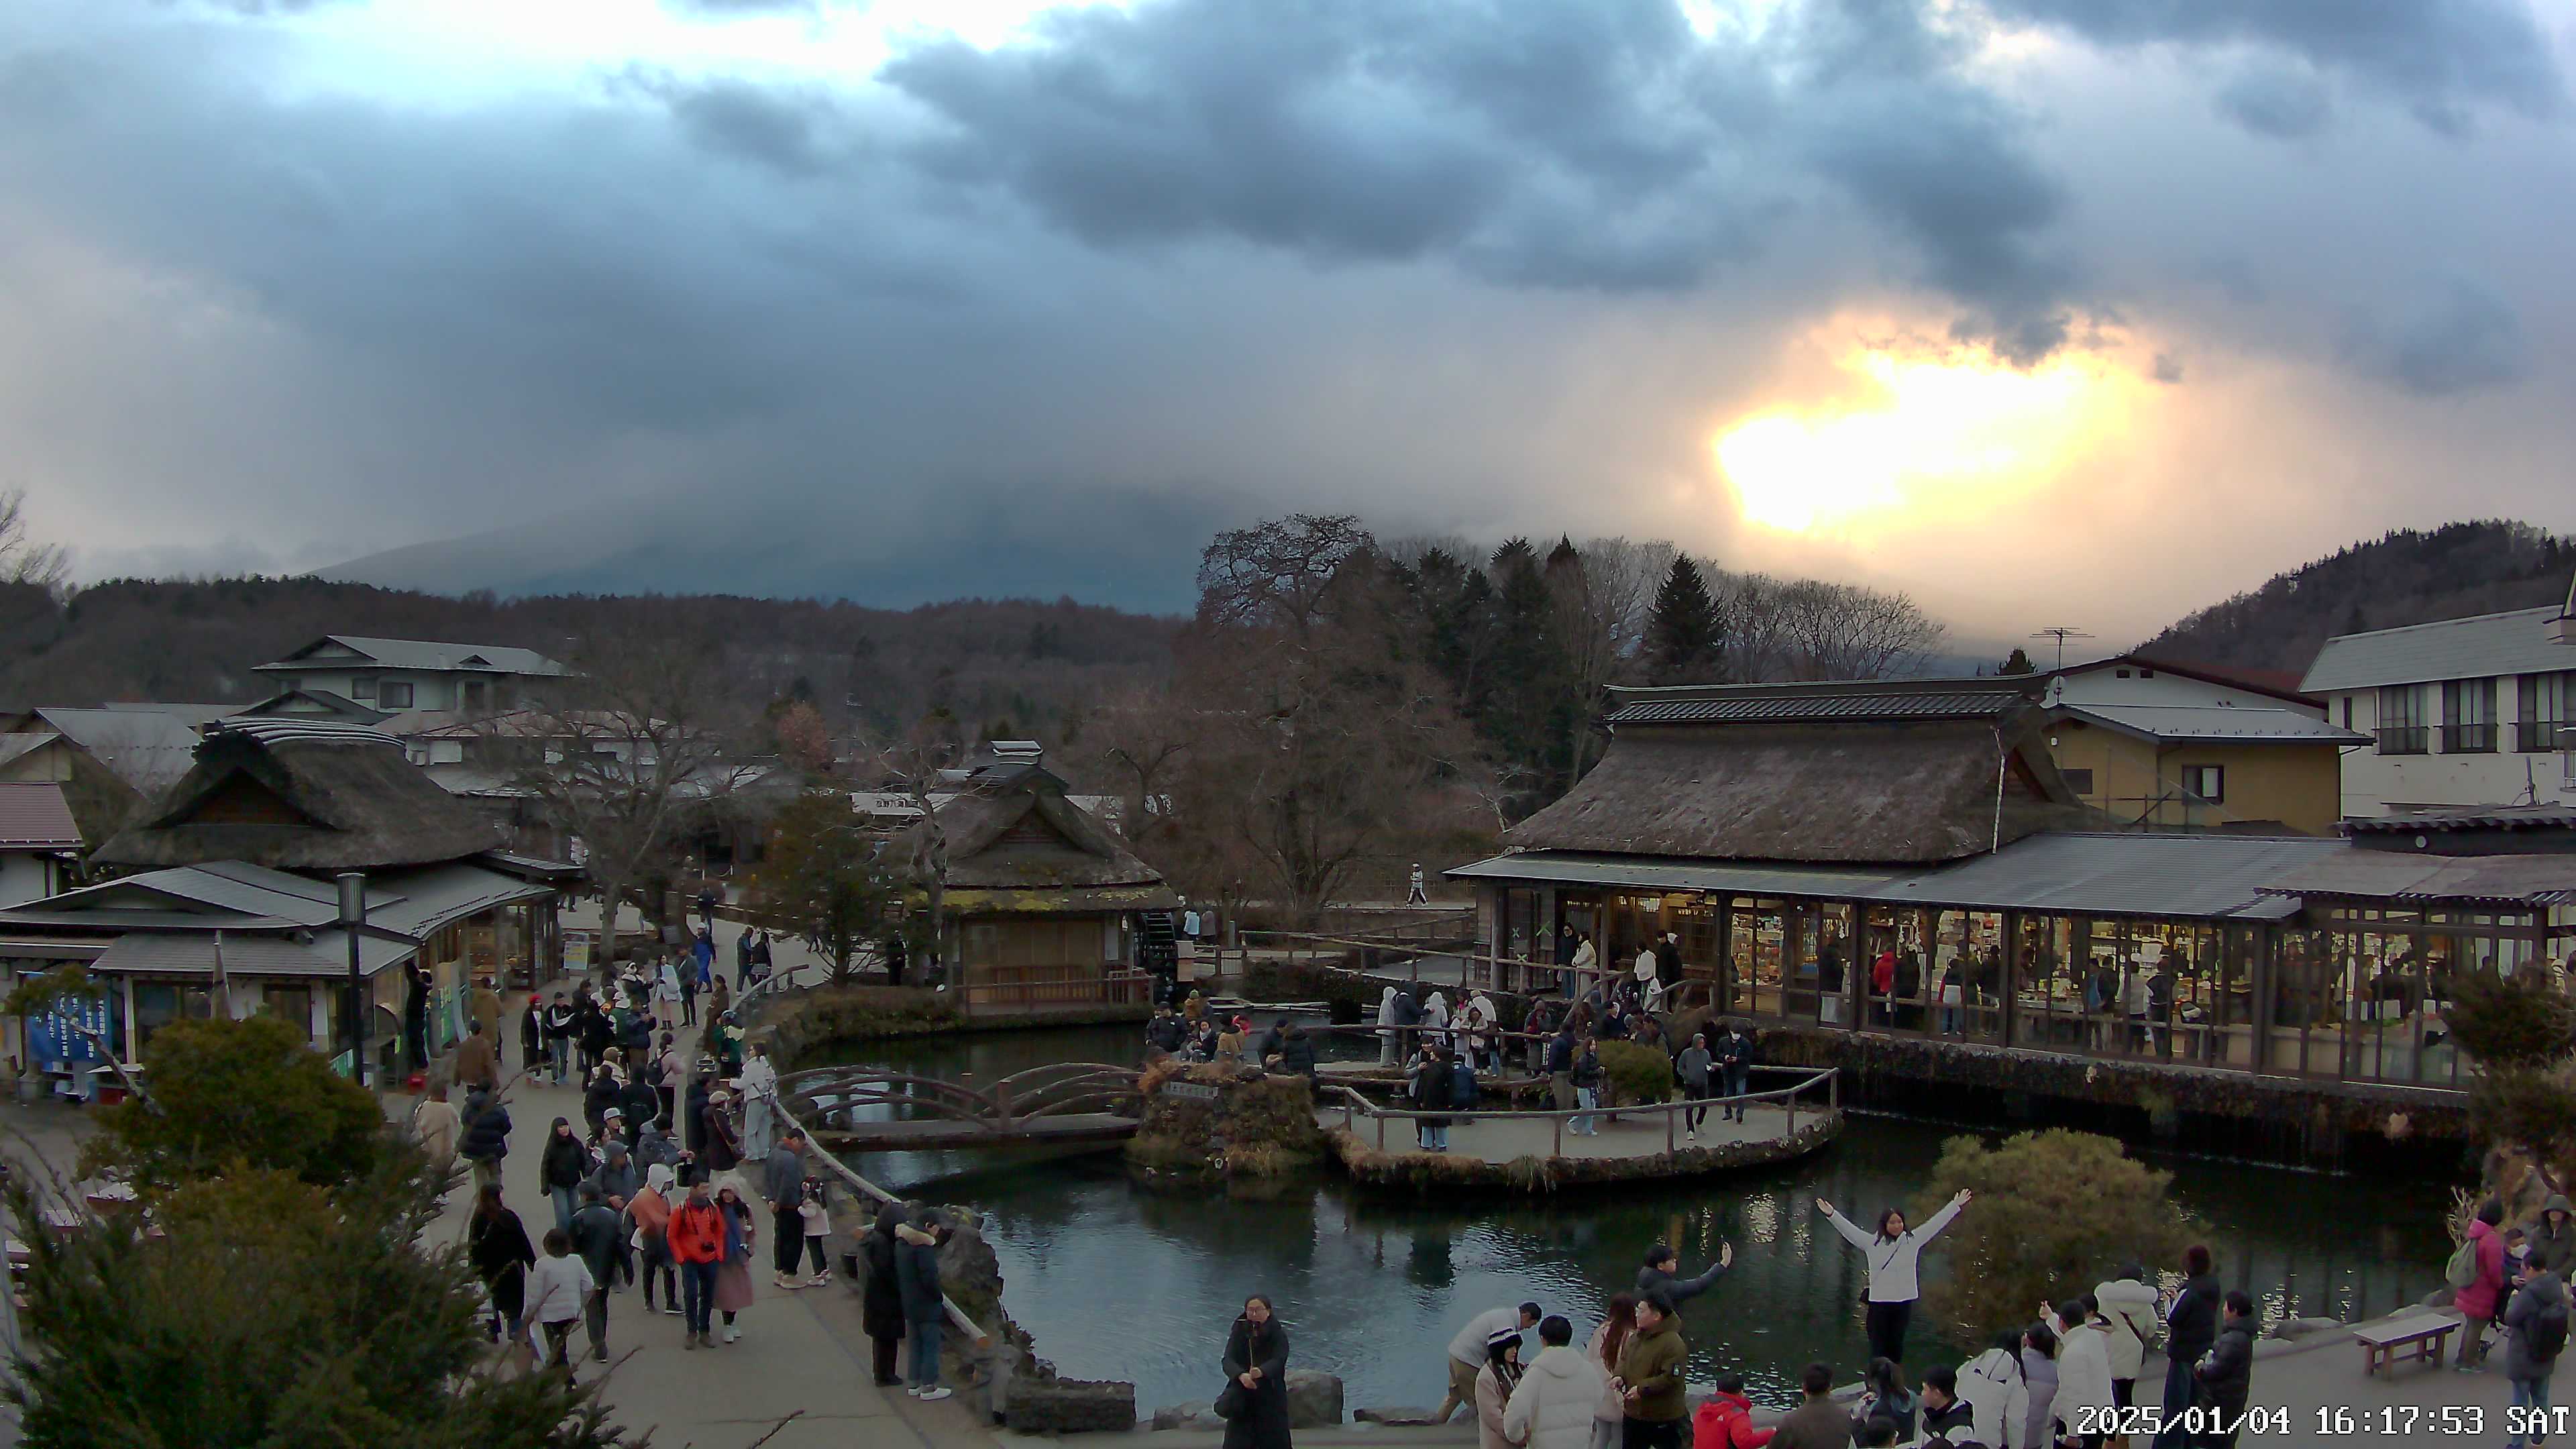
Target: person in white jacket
x,y
2084,1406
1558,1395
2130,1306
557,1288
1895,1254
1998,1394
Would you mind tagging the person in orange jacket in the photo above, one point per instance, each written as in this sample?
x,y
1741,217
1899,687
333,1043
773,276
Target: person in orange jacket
x,y
1726,1420
697,1233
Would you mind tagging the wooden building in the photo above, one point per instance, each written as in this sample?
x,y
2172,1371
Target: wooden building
x,y
230,903
1795,836
1042,900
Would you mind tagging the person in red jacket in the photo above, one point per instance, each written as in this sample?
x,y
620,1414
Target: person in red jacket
x,y
2479,1301
1725,1421
697,1244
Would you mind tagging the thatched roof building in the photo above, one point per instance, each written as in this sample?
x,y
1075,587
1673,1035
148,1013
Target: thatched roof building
x,y
1017,843
302,797
1906,772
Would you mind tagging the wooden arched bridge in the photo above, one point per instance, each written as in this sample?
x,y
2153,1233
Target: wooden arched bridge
x,y
1063,1102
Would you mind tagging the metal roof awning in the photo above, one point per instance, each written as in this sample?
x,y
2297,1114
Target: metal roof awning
x,y
2189,876
2527,881
2109,874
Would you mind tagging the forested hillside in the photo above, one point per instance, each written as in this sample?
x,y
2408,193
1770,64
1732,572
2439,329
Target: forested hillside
x,y
2404,577
1001,666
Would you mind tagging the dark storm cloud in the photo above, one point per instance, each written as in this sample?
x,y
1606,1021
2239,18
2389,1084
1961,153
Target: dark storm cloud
x,y
2283,102
2457,339
2444,59
1557,143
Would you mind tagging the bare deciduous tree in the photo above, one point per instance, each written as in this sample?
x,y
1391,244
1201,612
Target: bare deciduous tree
x,y
22,559
631,751
1276,574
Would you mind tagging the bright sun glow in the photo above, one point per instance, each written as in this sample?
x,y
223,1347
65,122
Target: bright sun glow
x,y
1921,429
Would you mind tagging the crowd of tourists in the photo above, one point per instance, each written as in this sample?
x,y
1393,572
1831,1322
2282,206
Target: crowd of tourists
x,y
2066,1380
680,1168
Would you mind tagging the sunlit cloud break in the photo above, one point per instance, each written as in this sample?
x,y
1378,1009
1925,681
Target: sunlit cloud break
x,y
1910,430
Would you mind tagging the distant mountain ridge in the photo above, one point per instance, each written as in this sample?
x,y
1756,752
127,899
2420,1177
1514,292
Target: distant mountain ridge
x,y
2406,576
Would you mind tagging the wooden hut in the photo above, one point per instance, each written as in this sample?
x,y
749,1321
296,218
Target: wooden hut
x,y
1041,899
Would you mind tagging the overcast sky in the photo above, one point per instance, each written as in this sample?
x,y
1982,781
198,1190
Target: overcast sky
x,y
2050,311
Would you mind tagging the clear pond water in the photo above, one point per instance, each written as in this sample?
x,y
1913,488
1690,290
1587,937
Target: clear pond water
x,y
1119,1280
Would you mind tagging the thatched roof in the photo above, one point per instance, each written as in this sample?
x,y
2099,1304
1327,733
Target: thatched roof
x,y
302,797
1028,836
1860,791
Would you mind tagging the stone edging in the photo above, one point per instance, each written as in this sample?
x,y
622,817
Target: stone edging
x,y
1538,1175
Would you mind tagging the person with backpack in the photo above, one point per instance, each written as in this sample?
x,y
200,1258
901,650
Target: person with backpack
x,y
1997,1392
2225,1375
2536,1321
1947,1418
2476,1271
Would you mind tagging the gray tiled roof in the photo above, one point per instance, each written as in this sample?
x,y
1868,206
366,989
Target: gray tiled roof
x,y
1787,708
2473,648
420,654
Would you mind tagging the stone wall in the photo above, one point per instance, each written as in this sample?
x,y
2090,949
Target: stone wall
x,y
1224,1121
1878,1066
1429,1171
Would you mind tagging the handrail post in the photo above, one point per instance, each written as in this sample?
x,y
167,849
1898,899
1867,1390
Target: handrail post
x,y
1834,1088
1792,1104
1557,1148
1671,1144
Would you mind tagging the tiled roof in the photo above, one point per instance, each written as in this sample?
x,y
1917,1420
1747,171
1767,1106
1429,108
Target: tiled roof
x,y
2491,817
36,817
419,654
1790,708
2472,648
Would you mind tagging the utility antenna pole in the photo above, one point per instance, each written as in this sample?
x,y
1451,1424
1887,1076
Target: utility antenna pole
x,y
2061,633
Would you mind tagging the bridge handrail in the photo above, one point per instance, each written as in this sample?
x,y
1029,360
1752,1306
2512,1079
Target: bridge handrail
x,y
1355,1104
998,1354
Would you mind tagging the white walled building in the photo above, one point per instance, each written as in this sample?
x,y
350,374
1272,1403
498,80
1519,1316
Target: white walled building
x,y
394,675
2464,712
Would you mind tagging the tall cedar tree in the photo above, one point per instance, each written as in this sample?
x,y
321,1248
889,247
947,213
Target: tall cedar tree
x,y
2017,662
1684,638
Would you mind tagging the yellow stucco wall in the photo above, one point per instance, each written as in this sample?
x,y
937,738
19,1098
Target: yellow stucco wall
x,y
2299,785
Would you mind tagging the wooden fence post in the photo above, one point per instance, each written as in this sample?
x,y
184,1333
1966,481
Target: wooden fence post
x,y
1793,1111
1671,1143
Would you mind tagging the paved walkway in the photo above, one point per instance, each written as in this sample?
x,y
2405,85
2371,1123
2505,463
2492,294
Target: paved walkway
x,y
800,1351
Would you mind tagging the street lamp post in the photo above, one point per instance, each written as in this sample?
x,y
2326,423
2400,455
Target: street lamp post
x,y
353,918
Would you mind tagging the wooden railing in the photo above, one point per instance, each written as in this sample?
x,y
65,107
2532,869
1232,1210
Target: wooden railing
x,y
1355,1105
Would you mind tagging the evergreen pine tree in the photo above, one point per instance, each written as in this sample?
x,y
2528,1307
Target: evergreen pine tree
x,y
1683,634
2017,662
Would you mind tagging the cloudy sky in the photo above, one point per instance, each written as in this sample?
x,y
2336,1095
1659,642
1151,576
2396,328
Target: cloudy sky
x,y
2050,311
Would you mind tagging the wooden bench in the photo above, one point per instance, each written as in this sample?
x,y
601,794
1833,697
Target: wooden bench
x,y
2422,1333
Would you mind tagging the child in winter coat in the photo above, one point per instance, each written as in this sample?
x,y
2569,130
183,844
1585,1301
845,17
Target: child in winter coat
x,y
1725,1421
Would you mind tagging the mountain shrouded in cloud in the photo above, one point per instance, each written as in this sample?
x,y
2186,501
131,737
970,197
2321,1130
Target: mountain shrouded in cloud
x,y
2109,305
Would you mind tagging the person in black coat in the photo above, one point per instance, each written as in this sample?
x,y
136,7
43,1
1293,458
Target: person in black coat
x,y
640,1102
496,1243
881,1313
693,1121
1256,1361
532,1038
